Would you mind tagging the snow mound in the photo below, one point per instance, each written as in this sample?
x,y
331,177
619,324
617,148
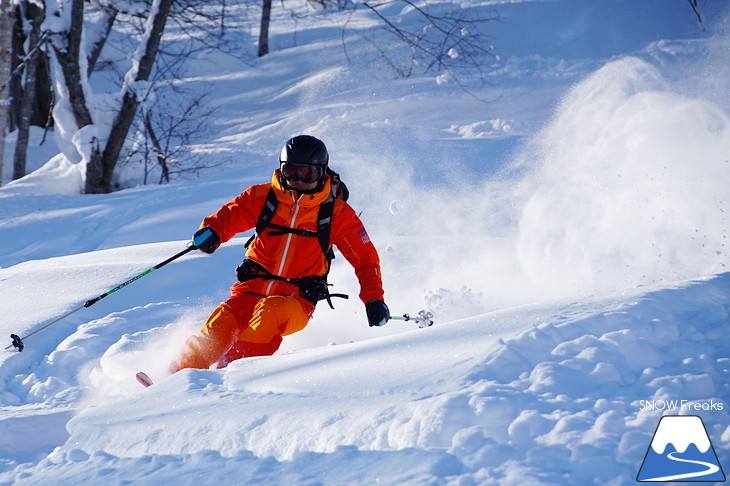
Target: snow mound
x,y
561,401
57,176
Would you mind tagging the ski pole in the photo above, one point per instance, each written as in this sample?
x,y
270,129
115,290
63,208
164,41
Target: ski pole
x,y
18,341
424,319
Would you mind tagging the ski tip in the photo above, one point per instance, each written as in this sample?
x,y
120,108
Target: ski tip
x,y
144,379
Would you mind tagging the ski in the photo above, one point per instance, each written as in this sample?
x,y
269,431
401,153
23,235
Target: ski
x,y
144,379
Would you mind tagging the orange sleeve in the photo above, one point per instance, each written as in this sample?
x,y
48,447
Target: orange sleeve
x,y
238,215
351,238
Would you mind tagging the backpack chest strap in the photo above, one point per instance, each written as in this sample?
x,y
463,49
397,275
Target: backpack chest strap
x,y
324,222
282,230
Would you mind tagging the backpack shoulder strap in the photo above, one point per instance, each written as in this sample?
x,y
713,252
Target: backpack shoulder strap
x,y
324,225
266,214
338,190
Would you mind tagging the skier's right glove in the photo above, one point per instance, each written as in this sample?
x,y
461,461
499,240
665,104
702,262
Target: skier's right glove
x,y
206,240
377,312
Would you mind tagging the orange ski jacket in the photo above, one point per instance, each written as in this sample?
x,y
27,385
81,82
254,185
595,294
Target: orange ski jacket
x,y
295,256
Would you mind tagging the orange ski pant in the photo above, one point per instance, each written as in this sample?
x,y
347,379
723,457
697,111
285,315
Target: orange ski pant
x,y
245,325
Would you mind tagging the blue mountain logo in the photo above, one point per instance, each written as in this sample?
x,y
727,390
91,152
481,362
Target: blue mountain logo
x,y
680,451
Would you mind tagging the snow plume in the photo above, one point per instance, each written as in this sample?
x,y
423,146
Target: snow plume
x,y
628,185
157,347
625,186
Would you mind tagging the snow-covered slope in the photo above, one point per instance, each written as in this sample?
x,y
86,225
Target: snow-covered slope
x,y
570,237
554,393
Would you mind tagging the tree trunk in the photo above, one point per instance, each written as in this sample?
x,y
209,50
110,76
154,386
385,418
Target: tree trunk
x,y
42,102
34,18
66,50
157,149
110,17
264,30
68,57
43,105
6,23
102,176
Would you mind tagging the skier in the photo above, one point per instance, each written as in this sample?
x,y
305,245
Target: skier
x,y
298,216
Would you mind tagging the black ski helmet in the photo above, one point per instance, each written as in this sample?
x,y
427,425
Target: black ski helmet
x,y
305,150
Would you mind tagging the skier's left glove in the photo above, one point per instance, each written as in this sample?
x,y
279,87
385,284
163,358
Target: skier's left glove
x,y
206,240
377,312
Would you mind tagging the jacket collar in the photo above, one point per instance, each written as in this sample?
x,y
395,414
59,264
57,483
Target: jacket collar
x,y
287,196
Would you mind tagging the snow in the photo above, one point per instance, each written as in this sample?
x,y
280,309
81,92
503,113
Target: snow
x,y
689,429
57,176
570,236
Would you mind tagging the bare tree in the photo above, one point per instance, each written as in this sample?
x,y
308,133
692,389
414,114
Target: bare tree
x,y
169,133
448,42
101,182
264,30
28,52
695,9
71,78
101,156
108,17
32,15
6,23
200,23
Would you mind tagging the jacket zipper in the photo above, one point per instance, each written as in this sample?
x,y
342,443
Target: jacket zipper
x,y
280,270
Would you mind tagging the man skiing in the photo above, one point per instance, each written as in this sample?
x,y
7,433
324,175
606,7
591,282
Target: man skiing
x,y
298,216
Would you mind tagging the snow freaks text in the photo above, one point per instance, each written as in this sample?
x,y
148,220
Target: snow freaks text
x,y
685,405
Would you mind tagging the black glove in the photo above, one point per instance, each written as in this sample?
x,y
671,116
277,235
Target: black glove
x,y
377,312
206,240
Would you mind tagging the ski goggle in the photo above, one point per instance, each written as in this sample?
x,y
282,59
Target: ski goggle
x,y
301,173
